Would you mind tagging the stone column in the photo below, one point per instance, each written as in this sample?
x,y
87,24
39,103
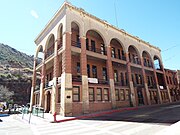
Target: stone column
x,y
43,76
66,77
164,76
131,86
55,77
157,85
145,83
111,78
85,93
33,85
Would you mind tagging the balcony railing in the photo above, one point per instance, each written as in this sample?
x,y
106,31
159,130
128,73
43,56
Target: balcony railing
x,y
96,50
76,44
76,78
102,81
117,56
48,54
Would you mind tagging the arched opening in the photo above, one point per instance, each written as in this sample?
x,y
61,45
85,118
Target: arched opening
x,y
133,55
95,42
75,40
157,63
48,102
117,50
146,59
50,46
60,36
39,55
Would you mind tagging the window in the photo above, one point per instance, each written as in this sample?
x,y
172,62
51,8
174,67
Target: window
x,y
99,94
127,94
94,71
140,79
78,68
167,79
119,54
93,46
123,55
113,54
102,49
78,41
170,80
126,78
117,94
145,62
122,79
106,94
88,70
137,78
132,75
122,96
87,44
115,76
148,81
91,94
105,74
76,94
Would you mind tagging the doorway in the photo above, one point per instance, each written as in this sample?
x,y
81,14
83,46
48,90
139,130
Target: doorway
x,y
140,96
48,101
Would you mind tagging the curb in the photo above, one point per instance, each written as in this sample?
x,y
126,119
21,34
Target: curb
x,y
96,114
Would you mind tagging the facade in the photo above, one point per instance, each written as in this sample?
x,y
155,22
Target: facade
x,y
89,65
172,81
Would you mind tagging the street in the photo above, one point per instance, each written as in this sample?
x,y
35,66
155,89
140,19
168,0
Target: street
x,y
143,121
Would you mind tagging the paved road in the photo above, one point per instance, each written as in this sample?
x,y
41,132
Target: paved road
x,y
144,121
166,114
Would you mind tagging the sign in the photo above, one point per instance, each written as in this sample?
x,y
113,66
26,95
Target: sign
x,y
92,80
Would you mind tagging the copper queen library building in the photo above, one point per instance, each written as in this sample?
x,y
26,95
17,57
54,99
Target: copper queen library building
x,y
89,65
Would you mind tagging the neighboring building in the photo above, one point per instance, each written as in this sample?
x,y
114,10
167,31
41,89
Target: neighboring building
x,y
89,65
172,81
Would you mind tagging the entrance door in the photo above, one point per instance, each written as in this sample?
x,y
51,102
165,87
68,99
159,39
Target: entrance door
x,y
140,96
48,101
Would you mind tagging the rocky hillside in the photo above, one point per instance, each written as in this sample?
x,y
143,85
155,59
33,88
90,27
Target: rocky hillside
x,y
14,58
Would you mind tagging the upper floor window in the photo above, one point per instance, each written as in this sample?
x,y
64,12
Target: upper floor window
x,y
88,70
78,68
87,44
104,73
115,75
94,71
102,49
113,53
93,46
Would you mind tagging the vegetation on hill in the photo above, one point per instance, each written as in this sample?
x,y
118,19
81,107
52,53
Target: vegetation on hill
x,y
14,58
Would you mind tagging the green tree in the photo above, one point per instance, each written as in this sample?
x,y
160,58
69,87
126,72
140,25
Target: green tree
x,y
5,94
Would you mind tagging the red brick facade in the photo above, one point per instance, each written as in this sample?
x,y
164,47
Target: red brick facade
x,y
94,73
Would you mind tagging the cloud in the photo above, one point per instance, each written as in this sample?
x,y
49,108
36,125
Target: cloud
x,y
34,14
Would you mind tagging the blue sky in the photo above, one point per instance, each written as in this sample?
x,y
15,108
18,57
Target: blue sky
x,y
155,21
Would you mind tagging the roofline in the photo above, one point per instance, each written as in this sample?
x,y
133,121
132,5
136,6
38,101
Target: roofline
x,y
98,19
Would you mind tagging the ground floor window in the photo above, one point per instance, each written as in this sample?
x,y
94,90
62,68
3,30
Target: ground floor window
x,y
127,94
76,94
91,94
122,96
117,94
106,94
99,94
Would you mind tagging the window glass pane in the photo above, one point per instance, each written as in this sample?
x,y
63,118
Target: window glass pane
x,y
117,94
76,94
127,94
99,94
106,94
91,94
122,97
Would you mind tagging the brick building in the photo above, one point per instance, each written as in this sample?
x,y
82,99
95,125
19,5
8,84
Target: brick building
x,y
172,82
90,65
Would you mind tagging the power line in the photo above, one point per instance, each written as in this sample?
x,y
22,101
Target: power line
x,y
115,13
170,48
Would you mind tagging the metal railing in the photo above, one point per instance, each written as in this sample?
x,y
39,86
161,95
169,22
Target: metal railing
x,y
38,111
76,44
97,50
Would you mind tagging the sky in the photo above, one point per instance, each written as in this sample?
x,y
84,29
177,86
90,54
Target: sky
x,y
154,21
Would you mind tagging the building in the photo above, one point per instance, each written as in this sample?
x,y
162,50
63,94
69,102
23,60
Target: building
x,y
172,82
90,65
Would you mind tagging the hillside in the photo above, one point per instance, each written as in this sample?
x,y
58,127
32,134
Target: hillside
x,y
14,58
